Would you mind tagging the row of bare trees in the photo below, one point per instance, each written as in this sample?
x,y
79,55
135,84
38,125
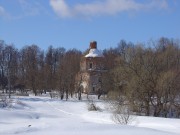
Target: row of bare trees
x,y
146,78
37,70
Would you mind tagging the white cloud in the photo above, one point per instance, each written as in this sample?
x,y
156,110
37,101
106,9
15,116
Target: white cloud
x,y
61,8
104,7
110,7
157,4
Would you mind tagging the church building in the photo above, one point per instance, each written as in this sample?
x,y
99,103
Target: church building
x,y
91,71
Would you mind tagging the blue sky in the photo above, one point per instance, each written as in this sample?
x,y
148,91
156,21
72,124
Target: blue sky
x,y
74,23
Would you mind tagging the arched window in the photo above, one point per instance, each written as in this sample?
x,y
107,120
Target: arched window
x,y
99,79
93,89
90,65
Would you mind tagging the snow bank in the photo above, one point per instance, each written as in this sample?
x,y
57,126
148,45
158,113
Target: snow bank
x,y
43,116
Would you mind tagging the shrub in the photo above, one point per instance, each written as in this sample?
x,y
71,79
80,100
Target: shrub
x,y
122,115
91,105
3,101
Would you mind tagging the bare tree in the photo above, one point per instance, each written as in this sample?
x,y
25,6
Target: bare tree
x,y
150,77
11,66
30,61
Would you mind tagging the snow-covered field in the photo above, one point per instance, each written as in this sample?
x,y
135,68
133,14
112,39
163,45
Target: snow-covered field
x,y
43,116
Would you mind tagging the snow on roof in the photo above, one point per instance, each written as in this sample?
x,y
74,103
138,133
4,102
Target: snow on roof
x,y
94,53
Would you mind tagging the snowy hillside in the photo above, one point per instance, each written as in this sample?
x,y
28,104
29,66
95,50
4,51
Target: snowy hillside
x,y
44,116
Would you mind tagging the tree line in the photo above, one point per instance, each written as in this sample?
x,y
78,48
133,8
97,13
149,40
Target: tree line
x,y
31,68
144,76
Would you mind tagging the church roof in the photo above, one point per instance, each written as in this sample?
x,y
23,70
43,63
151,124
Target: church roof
x,y
94,53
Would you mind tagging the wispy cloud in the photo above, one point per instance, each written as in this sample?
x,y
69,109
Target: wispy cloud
x,y
29,9
32,8
3,13
25,9
104,7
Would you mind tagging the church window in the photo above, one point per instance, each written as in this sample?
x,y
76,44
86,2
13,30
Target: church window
x,y
90,65
93,89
